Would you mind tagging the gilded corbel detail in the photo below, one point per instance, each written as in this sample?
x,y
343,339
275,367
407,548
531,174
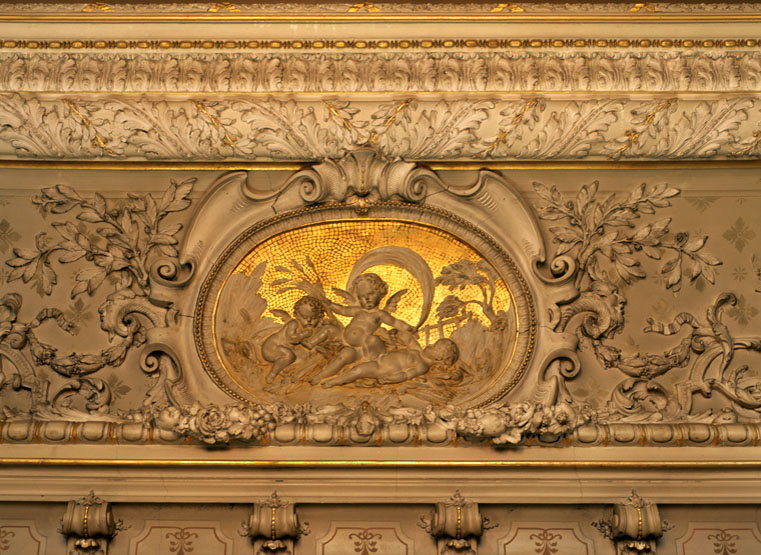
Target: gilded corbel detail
x,y
89,526
457,525
274,526
634,526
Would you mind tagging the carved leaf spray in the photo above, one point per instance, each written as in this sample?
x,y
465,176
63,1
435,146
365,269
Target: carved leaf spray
x,y
598,244
126,241
600,239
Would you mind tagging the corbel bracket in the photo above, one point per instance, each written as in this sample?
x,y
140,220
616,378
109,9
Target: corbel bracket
x,y
88,526
634,527
456,524
274,526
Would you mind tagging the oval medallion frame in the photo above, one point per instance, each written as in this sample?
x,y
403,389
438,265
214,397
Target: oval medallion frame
x,y
231,377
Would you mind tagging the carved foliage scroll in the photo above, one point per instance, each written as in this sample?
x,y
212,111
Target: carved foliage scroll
x,y
602,245
234,127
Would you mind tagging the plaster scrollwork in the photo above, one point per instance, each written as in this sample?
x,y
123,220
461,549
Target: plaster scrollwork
x,y
604,239
360,179
118,242
236,127
294,374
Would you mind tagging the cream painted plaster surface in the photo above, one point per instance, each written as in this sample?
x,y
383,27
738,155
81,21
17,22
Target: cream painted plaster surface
x,y
609,152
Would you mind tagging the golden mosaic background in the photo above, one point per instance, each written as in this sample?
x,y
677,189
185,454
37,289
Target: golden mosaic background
x,y
334,248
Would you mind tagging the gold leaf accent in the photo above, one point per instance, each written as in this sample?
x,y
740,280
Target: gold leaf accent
x,y
750,148
98,140
514,8
642,6
97,6
334,114
366,5
633,135
230,140
219,6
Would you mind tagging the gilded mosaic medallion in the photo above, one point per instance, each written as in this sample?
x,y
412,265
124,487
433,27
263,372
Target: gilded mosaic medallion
x,y
392,310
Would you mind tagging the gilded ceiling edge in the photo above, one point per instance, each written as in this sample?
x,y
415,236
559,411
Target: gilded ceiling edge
x,y
254,165
430,464
383,94
379,44
239,8
370,19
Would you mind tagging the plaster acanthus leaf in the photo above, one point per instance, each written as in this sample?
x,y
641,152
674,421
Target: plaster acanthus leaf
x,y
522,72
288,130
660,127
572,132
55,131
749,146
444,130
192,129
239,128
526,113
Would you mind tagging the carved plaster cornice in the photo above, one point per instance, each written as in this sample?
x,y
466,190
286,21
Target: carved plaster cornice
x,y
338,45
317,93
242,127
499,69
379,10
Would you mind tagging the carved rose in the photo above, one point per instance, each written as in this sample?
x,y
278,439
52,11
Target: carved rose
x,y
211,423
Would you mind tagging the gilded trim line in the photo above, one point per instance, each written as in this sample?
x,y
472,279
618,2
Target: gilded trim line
x,y
246,165
379,44
111,17
379,464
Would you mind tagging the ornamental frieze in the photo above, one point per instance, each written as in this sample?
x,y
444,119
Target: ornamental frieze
x,y
371,301
270,128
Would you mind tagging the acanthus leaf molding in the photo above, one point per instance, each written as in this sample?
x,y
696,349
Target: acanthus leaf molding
x,y
504,127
